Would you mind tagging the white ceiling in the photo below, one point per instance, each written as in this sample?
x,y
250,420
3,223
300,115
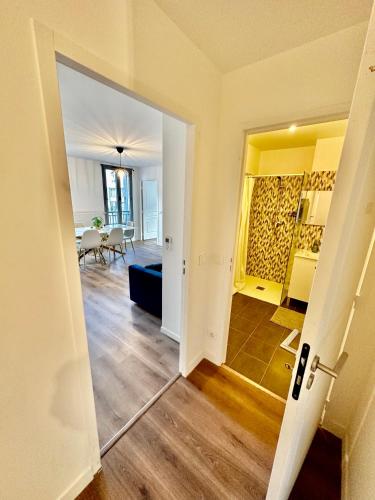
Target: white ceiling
x,y
234,33
97,118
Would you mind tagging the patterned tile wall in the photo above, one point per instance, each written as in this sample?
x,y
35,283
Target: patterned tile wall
x,y
317,181
308,235
321,180
271,225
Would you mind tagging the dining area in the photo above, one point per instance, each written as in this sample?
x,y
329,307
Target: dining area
x,y
102,241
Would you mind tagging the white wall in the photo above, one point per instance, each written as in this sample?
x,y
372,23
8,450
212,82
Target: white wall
x,y
308,82
252,159
174,166
170,70
328,153
86,188
286,161
359,460
49,446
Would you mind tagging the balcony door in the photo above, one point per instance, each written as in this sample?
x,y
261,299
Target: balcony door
x,y
118,194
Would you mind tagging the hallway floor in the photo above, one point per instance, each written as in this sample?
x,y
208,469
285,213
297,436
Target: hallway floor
x,y
211,436
131,361
254,344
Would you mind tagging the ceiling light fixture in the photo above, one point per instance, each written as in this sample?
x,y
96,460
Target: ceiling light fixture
x,y
293,128
120,150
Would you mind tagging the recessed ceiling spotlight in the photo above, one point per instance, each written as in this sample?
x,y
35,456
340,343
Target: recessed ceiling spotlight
x,y
293,128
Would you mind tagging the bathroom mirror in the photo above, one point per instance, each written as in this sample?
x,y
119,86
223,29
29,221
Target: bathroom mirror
x,y
315,207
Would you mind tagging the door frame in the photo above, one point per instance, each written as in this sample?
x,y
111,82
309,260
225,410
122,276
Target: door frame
x,y
52,47
141,205
339,115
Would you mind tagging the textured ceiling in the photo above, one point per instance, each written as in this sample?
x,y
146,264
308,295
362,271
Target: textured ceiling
x,y
97,118
306,135
234,33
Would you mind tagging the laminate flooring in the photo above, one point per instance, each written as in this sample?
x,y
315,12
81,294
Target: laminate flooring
x,y
131,361
211,436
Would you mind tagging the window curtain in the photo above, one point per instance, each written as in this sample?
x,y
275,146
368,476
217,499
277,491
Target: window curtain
x,y
243,235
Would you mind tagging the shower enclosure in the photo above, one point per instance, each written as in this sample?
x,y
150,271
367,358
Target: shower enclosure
x,y
272,235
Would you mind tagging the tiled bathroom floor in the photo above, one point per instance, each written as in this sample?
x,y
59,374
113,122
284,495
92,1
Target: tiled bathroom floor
x,y
254,344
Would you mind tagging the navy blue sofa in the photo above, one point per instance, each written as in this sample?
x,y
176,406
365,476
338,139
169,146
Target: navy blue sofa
x,y
146,287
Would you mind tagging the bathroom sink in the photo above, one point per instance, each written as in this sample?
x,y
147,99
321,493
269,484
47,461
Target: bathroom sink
x,y
307,254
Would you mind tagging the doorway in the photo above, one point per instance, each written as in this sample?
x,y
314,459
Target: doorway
x,y
150,209
134,327
287,187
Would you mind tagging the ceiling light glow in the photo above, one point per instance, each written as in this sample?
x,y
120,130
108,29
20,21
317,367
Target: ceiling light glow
x,y
293,128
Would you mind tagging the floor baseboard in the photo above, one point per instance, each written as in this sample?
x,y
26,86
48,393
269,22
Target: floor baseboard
x,y
170,334
78,485
193,363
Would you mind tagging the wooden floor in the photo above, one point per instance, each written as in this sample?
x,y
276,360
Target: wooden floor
x,y
212,436
130,359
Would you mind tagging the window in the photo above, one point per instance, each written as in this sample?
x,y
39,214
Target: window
x,y
118,194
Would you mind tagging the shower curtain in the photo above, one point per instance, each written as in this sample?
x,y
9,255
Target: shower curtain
x,y
243,235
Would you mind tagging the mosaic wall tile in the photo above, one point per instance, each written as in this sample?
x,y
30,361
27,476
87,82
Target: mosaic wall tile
x,y
271,226
308,235
321,181
317,181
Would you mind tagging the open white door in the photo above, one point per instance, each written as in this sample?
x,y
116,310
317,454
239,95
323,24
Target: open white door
x,y
346,242
150,210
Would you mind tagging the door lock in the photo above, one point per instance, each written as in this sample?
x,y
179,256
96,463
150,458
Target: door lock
x,y
332,372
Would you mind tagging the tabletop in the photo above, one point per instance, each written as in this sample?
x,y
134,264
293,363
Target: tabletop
x,y
103,230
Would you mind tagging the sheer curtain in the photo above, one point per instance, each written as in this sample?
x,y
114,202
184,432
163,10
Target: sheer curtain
x,y
243,235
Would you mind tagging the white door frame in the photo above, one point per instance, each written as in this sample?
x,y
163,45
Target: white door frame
x,y
52,47
341,115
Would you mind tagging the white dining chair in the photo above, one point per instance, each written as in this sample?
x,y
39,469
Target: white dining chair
x,y
115,239
129,235
91,240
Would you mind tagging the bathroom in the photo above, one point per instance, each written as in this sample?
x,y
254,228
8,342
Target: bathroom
x,y
289,177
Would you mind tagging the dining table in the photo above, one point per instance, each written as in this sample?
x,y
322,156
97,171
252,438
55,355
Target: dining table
x,y
103,231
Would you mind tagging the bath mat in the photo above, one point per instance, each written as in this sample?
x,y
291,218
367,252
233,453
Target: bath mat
x,y
288,318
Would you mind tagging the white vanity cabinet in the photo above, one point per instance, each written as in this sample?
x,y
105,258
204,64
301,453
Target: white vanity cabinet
x,y
302,276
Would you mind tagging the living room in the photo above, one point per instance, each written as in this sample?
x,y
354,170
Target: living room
x,y
128,249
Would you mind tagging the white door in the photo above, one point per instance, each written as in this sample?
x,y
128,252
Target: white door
x,y
150,211
345,244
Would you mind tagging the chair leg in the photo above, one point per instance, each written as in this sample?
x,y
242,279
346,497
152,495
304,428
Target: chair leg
x,y
122,253
84,259
131,241
101,256
125,245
